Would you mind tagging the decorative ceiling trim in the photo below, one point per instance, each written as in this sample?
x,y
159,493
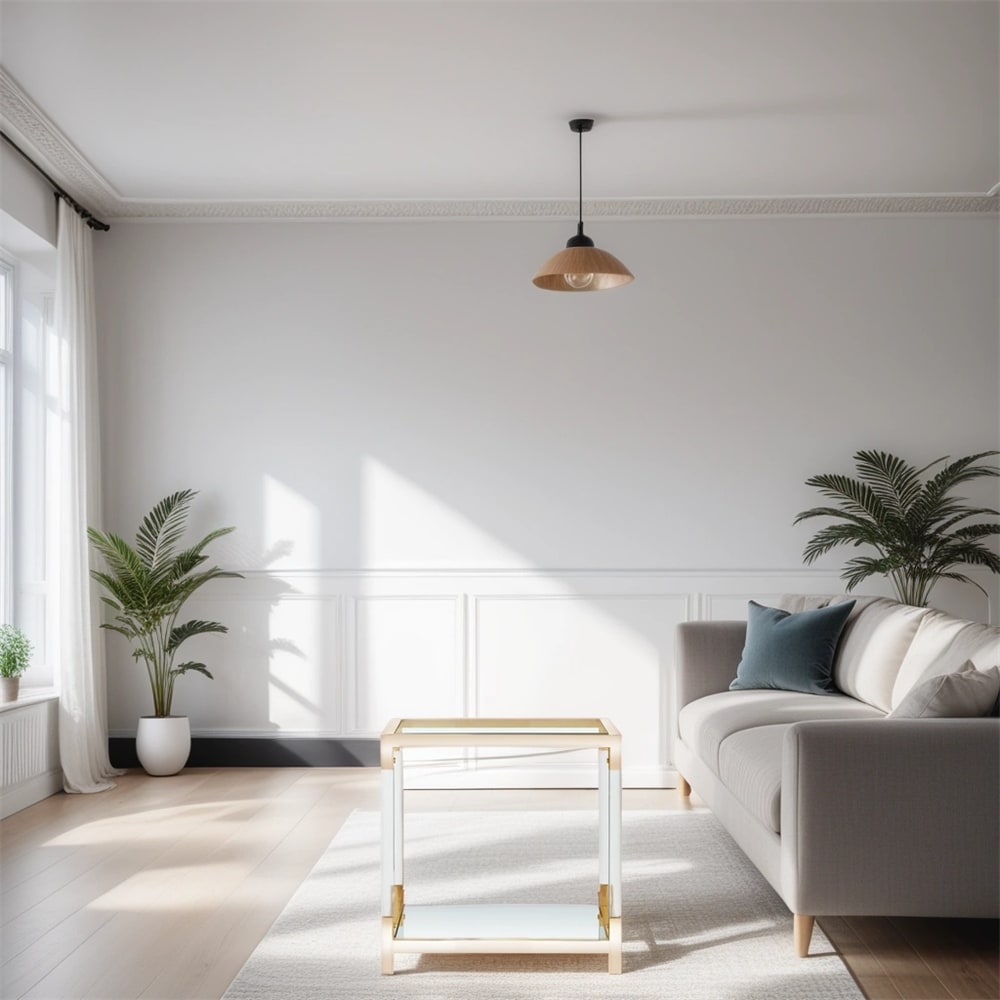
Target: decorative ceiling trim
x,y
43,140
623,209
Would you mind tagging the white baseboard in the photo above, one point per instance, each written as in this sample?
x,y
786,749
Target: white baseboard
x,y
27,793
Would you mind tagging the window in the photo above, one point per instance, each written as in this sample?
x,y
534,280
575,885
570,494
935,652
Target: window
x,y
27,286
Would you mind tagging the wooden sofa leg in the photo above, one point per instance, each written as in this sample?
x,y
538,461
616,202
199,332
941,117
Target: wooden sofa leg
x,y
683,788
802,930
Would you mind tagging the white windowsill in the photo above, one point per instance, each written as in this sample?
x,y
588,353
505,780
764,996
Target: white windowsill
x,y
31,696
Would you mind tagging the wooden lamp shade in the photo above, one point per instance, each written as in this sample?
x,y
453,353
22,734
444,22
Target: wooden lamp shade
x,y
581,267
607,269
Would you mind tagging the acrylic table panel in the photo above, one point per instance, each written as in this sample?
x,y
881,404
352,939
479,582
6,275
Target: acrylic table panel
x,y
532,928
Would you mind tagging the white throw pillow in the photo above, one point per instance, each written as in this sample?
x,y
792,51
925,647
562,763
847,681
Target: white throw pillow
x,y
962,694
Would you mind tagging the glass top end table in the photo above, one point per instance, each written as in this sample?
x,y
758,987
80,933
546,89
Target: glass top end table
x,y
503,928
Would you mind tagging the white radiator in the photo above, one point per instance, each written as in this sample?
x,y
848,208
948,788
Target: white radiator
x,y
29,754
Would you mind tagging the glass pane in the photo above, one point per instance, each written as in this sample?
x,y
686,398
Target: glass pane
x,y
504,726
503,921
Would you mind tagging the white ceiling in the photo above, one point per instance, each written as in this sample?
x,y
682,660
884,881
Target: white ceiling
x,y
368,101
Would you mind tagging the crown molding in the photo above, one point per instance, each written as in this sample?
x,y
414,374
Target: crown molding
x,y
39,136
621,209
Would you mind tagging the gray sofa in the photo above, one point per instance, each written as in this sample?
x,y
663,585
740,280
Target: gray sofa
x,y
843,810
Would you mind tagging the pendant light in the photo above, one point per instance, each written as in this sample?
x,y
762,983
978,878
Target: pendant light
x,y
581,267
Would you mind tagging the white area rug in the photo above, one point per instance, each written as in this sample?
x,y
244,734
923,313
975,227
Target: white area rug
x,y
699,922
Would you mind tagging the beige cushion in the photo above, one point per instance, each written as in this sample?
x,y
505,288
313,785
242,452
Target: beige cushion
x,y
942,645
872,647
959,694
705,723
750,767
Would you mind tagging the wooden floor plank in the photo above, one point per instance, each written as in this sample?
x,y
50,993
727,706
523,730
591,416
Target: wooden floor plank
x,y
208,961
863,965
162,887
904,965
947,948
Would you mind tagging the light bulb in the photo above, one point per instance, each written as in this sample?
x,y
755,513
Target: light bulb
x,y
578,281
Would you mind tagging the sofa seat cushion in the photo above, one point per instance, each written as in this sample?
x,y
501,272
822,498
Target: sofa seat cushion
x,y
750,767
705,723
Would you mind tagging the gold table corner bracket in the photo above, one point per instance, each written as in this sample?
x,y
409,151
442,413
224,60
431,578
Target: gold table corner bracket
x,y
604,907
397,908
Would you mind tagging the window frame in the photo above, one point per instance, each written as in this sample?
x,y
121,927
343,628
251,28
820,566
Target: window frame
x,y
8,389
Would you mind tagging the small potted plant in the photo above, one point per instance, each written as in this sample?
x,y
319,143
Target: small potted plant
x,y
15,654
147,586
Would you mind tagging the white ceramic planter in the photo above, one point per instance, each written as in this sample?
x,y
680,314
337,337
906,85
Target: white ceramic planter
x,y
9,686
163,745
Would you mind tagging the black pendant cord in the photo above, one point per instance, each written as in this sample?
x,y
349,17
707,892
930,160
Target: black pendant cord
x,y
87,217
580,220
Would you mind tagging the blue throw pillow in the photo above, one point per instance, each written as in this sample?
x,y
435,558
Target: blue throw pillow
x,y
791,652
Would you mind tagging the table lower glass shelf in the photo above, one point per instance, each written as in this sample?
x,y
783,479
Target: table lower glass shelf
x,y
528,922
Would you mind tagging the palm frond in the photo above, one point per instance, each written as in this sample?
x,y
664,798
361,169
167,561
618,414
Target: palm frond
x,y
162,528
190,666
861,567
960,471
981,530
967,552
857,497
181,633
955,517
125,566
895,482
210,537
839,534
859,519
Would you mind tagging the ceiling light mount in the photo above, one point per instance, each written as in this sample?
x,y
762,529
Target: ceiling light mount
x,y
581,267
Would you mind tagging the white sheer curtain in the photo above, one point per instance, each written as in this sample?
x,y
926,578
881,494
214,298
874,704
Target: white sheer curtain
x,y
74,485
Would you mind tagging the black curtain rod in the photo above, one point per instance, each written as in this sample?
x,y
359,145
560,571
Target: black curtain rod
x,y
87,217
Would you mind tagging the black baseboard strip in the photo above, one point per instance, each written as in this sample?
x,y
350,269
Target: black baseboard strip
x,y
242,751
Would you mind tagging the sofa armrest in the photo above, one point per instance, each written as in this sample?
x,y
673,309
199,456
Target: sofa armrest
x,y
891,816
706,655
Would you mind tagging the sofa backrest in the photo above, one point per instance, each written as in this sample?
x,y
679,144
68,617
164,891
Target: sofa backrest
x,y
887,647
872,646
942,645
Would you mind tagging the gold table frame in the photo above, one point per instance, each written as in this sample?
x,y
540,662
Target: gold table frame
x,y
570,929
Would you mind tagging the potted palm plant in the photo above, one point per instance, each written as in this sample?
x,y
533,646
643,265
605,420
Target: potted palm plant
x,y
920,531
15,655
147,585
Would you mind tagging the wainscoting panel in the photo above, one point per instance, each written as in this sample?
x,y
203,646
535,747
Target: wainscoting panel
x,y
331,656
407,660
581,655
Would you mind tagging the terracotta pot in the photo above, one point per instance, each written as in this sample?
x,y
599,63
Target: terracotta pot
x,y
163,744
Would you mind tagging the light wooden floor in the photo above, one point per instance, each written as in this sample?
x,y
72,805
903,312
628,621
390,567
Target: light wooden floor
x,y
163,886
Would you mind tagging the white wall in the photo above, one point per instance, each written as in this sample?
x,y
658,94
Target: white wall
x,y
362,399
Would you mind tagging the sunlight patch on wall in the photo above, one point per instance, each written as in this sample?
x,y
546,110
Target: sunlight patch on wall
x,y
295,686
292,527
403,526
293,539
